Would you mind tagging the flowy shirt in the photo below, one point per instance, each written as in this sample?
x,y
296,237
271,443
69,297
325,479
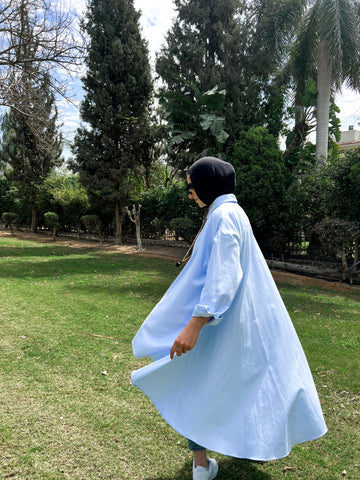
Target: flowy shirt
x,y
245,390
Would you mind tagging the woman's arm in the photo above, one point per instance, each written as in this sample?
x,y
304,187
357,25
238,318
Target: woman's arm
x,y
187,338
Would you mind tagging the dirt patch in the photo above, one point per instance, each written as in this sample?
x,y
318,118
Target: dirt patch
x,y
302,280
173,254
170,253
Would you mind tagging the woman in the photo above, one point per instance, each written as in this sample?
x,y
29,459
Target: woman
x,y
243,387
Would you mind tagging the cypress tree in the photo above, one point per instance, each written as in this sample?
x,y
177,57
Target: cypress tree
x,y
230,44
203,47
108,147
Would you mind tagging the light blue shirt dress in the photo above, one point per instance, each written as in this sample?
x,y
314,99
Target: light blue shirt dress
x,y
246,389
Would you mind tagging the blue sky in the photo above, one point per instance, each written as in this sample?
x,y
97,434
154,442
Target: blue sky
x,y
156,19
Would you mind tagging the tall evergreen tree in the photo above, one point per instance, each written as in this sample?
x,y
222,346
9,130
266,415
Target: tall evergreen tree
x,y
225,43
31,145
118,87
204,48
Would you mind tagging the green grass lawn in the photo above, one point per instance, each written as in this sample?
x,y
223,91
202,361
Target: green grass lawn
x,y
67,409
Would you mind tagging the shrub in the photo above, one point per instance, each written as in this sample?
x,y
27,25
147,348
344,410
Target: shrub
x,y
262,182
52,221
157,226
92,223
10,219
183,227
161,205
337,237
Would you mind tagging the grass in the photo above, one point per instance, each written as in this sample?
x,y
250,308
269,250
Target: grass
x,y
67,409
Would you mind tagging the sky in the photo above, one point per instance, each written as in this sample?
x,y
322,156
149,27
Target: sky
x,y
156,19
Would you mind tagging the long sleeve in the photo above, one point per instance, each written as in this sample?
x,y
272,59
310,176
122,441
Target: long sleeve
x,y
223,275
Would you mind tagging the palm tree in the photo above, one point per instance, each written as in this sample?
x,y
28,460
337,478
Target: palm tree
x,y
328,49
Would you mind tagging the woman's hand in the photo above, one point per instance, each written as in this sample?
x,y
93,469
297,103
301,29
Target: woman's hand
x,y
187,339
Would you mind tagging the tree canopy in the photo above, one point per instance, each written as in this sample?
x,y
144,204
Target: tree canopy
x,y
31,144
327,48
212,43
53,28
118,89
262,180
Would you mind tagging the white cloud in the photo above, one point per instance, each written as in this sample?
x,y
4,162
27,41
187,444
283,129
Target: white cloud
x,y
155,21
78,5
156,18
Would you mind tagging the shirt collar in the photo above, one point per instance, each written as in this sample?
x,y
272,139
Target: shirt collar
x,y
228,198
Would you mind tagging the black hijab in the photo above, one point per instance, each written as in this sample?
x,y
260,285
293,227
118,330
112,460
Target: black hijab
x,y
212,177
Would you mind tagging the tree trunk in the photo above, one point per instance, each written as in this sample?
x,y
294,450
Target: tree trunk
x,y
33,220
330,273
356,254
323,104
118,225
137,226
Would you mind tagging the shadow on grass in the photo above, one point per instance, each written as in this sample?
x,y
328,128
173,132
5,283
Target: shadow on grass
x,y
81,262
229,469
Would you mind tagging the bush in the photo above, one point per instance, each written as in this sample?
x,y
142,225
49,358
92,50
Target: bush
x,y
262,182
52,221
157,227
10,219
161,205
337,238
92,224
344,194
63,194
183,227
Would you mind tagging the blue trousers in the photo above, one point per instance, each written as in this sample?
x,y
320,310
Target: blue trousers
x,y
194,447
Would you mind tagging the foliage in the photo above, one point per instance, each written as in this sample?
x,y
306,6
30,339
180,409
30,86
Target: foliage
x,y
53,27
151,171
52,221
262,181
31,144
306,197
202,48
219,43
327,48
319,199
115,108
64,194
92,223
6,198
183,227
337,237
10,219
194,124
161,205
304,112
344,190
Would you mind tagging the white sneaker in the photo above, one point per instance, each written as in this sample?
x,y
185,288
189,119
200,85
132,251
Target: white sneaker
x,y
202,473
